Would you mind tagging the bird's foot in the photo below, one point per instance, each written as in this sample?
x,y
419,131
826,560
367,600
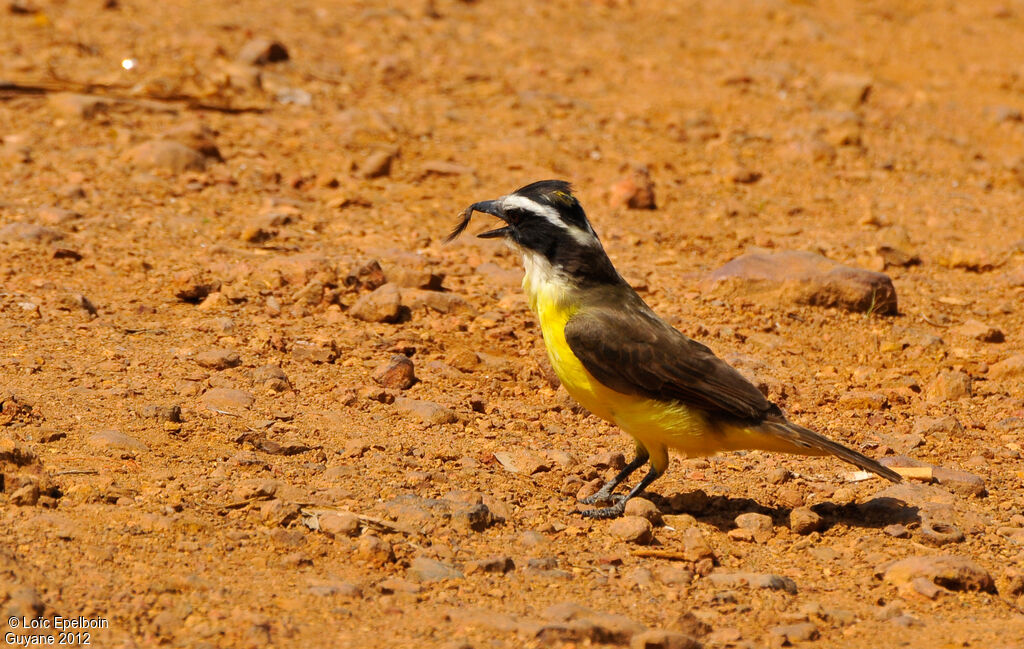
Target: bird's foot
x,y
614,511
603,495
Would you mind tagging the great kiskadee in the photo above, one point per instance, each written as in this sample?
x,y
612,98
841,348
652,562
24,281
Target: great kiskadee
x,y
622,362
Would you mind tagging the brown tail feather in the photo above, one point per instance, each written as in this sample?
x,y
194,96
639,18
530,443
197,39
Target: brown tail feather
x,y
806,438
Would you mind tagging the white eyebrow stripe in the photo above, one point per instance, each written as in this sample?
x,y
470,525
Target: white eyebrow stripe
x,y
550,214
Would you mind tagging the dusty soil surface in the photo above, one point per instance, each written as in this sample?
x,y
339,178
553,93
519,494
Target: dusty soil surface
x,y
216,254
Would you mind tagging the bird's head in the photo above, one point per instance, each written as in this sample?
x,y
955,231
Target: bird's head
x,y
547,225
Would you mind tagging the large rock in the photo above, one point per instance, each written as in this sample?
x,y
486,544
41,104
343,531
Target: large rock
x,y
949,571
804,278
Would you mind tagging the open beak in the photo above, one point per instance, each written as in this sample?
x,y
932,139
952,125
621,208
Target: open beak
x,y
487,207
493,208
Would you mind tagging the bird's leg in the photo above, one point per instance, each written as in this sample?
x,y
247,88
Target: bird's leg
x,y
605,492
620,504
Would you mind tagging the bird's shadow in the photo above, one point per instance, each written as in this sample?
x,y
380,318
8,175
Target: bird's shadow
x,y
721,511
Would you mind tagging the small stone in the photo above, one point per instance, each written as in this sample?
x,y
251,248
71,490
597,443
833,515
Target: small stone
x,y
607,460
256,489
804,520
415,278
377,164
116,440
261,51
227,399
948,571
753,580
691,502
644,509
635,191
679,521
25,496
977,330
779,475
523,461
661,639
476,517
382,305
168,155
863,401
949,386
423,569
494,565
800,632
373,549
218,359
739,174
960,482
897,531
271,377
756,523
430,413
845,91
160,412
29,233
632,529
939,533
1010,368
72,104
696,546
397,373
930,426
337,524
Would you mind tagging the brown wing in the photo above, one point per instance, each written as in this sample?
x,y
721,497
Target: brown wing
x,y
635,352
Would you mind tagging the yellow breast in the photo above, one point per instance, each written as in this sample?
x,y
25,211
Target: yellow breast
x,y
655,424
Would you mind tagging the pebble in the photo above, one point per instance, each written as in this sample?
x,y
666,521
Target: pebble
x,y
29,233
381,305
843,91
218,359
337,524
423,569
607,460
397,373
414,298
228,399
949,571
116,440
939,533
632,529
897,530
949,385
804,520
862,400
661,639
429,412
1012,367
804,278
977,330
25,496
160,412
494,565
418,278
753,522
799,632
696,546
261,51
72,104
373,549
930,426
635,191
691,502
644,509
168,155
378,164
523,461
753,580
271,377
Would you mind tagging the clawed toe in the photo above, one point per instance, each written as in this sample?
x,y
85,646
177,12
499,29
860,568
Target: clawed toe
x,y
606,512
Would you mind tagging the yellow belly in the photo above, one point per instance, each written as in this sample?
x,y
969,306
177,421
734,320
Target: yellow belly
x,y
654,424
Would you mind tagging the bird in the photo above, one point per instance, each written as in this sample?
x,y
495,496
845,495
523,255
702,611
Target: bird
x,y
622,362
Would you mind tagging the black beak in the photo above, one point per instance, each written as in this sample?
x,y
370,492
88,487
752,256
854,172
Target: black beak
x,y
487,207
